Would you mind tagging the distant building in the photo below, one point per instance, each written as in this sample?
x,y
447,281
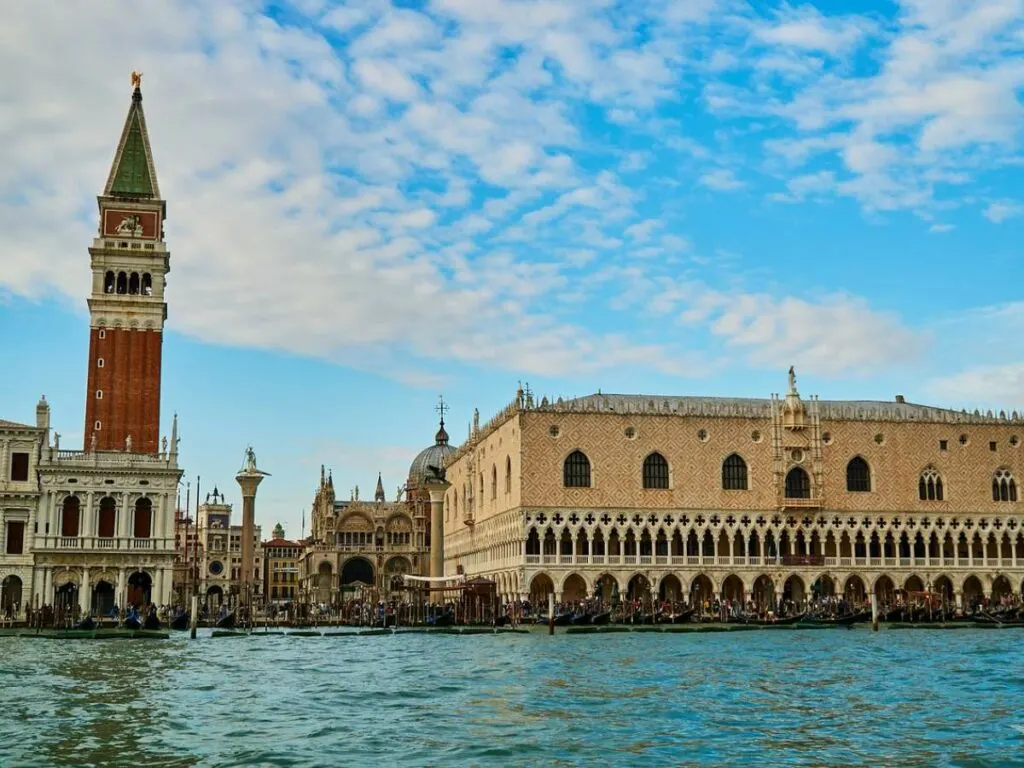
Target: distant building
x,y
361,543
750,499
281,569
20,452
218,558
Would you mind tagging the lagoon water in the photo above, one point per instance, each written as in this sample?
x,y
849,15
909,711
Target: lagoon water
x,y
772,698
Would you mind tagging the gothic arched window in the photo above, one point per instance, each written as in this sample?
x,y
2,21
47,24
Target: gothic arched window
x,y
734,473
858,475
929,487
655,471
798,484
494,482
576,470
508,474
1004,487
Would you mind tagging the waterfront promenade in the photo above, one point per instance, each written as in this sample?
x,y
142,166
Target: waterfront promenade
x,y
850,697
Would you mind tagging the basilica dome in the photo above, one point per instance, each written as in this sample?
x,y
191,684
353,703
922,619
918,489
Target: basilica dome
x,y
433,456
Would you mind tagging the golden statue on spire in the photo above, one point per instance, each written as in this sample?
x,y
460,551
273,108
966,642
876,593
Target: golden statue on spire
x,y
136,80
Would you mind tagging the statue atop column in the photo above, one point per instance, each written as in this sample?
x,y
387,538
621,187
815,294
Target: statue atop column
x,y
250,460
56,441
792,379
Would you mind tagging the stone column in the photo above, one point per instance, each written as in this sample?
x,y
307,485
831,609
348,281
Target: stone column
x,y
89,524
436,488
122,586
47,586
85,593
248,479
123,527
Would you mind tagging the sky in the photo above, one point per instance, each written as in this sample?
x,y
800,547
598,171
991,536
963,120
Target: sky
x,y
375,202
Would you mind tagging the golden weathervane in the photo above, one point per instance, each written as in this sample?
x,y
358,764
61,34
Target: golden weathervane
x,y
136,80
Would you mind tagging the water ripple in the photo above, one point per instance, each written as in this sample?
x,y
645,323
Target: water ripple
x,y
765,698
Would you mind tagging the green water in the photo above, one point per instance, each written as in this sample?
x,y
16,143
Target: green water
x,y
834,697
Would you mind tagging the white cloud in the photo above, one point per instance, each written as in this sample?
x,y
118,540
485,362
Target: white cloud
x,y
809,30
999,386
832,335
999,211
941,228
721,179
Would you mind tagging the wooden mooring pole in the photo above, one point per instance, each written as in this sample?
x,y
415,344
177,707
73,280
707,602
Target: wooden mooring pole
x,y
551,613
874,612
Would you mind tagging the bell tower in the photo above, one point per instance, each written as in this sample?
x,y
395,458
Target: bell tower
x,y
126,306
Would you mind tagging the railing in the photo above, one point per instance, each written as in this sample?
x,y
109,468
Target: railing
x,y
104,543
803,560
533,559
645,559
788,503
660,560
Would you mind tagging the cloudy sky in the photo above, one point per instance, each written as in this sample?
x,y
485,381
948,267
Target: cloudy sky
x,y
373,202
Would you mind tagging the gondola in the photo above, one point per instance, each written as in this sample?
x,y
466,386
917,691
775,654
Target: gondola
x,y
151,622
602,618
579,619
502,621
787,621
683,617
226,621
840,621
180,622
87,623
445,619
131,622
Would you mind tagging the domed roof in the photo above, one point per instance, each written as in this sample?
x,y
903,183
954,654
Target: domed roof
x,y
434,456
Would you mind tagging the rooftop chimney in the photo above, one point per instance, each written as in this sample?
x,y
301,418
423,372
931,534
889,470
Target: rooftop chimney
x,y
900,400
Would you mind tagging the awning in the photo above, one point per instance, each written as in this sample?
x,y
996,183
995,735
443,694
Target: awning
x,y
458,579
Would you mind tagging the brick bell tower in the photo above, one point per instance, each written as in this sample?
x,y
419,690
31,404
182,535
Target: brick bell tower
x,y
126,308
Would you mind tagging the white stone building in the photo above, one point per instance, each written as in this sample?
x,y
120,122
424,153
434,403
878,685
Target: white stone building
x,y
20,447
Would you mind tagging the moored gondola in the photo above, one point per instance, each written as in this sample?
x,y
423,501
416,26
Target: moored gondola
x,y
777,622
227,621
131,622
87,623
444,619
602,618
180,622
682,617
839,621
151,622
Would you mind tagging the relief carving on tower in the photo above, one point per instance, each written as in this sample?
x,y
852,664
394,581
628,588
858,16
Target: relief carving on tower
x,y
121,223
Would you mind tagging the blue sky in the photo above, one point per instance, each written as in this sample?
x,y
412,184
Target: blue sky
x,y
374,202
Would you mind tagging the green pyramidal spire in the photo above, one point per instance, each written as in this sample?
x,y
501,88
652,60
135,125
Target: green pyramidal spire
x,y
133,174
